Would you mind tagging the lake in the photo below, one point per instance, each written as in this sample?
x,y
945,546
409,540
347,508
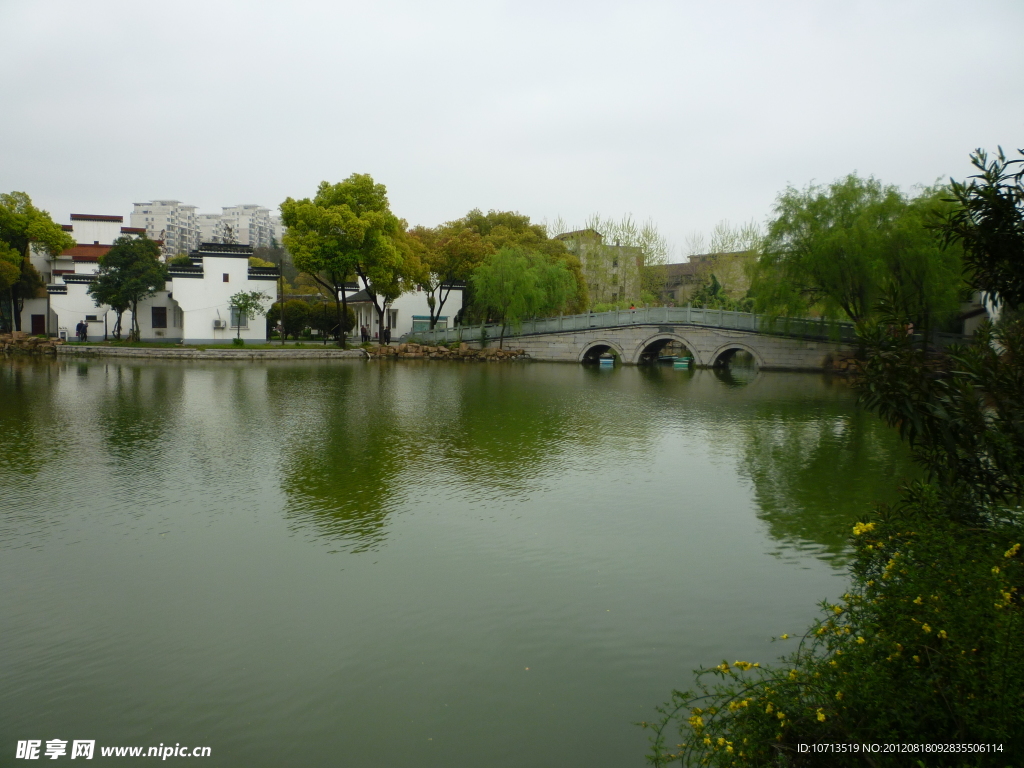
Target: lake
x,y
348,563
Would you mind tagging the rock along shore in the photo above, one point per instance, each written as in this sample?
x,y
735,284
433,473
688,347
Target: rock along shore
x,y
460,352
20,342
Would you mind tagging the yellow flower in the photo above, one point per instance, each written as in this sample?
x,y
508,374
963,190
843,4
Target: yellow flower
x,y
839,695
821,716
942,634
995,570
784,637
707,741
729,749
769,708
721,741
781,715
744,665
792,674
926,628
860,640
837,609
917,659
860,528
918,600
1012,551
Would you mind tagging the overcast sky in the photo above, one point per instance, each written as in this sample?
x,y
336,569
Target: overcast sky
x,y
688,113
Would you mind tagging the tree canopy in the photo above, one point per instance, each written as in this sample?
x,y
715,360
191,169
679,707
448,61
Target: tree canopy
x,y
129,272
347,229
447,254
514,284
989,225
837,250
23,226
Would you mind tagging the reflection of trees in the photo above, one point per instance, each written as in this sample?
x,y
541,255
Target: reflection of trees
x,y
343,456
362,441
817,469
133,412
29,428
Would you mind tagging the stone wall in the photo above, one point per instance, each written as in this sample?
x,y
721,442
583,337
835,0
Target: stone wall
x,y
211,354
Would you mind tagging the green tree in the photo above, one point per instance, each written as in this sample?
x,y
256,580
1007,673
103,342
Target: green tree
x,y
836,250
348,228
129,272
989,224
23,226
323,319
448,254
514,284
248,304
500,229
293,315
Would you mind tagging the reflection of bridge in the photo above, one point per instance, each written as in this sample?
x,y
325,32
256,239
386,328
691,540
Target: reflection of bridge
x,y
712,336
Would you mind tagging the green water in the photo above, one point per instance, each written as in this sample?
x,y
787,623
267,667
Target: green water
x,y
407,564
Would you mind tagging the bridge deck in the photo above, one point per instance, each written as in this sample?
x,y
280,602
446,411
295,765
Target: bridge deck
x,y
800,328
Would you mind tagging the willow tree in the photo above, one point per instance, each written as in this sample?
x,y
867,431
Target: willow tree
x,y
346,229
839,250
514,284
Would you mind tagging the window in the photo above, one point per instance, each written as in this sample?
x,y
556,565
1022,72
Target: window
x,y
238,320
159,317
227,277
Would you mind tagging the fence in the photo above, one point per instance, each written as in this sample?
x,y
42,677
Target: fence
x,y
664,316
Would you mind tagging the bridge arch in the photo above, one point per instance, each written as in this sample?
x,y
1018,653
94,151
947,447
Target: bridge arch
x,y
721,355
592,350
659,340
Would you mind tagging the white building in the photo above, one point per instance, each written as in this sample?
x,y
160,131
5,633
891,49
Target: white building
x,y
211,228
95,235
409,312
192,308
171,222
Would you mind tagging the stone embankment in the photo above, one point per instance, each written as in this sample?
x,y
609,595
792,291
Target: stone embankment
x,y
459,352
20,342
221,353
844,365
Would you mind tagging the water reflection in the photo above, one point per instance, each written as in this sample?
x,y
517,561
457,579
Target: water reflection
x,y
351,445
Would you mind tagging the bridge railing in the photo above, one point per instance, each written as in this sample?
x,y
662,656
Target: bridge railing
x,y
663,316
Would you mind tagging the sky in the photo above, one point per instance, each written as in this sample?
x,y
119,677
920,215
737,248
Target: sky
x,y
684,113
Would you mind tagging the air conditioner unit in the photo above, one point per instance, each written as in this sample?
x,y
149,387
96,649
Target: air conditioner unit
x,y
220,324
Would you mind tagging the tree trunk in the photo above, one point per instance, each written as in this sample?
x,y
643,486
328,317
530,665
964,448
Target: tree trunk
x,y
380,322
344,317
15,312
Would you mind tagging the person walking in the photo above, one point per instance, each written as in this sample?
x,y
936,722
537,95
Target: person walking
x,y
81,331
387,335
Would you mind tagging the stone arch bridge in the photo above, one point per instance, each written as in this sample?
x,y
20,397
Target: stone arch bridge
x,y
712,337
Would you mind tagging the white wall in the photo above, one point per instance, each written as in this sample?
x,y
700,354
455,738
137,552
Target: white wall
x,y
89,232
203,300
405,307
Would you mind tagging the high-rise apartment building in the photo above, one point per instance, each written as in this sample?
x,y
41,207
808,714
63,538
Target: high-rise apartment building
x,y
170,221
247,225
211,227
